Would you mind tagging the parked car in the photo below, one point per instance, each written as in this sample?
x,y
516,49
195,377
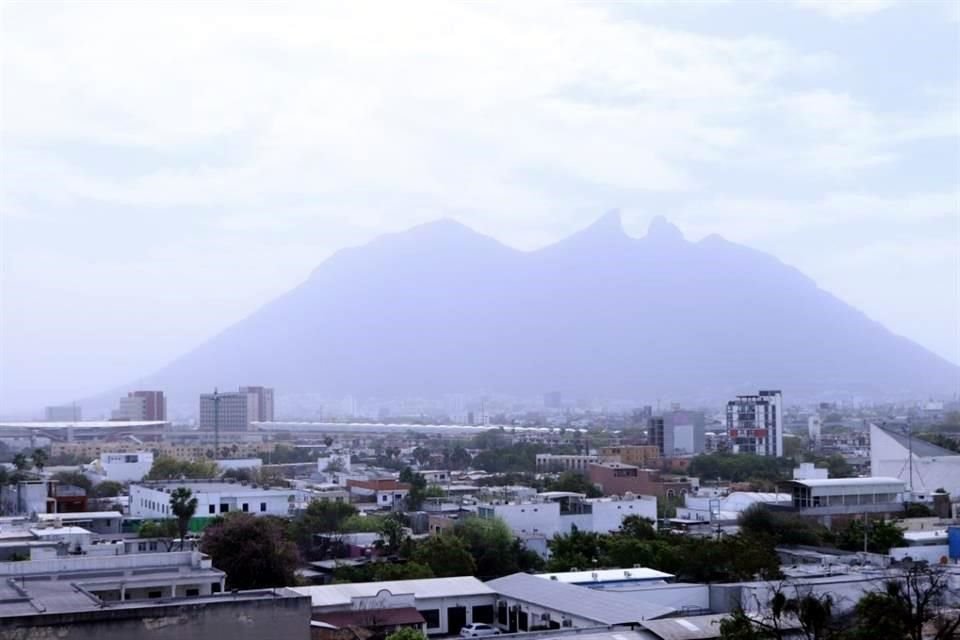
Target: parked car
x,y
478,629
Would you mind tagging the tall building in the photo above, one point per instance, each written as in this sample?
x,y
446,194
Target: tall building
x,y
63,413
142,405
678,433
264,402
755,423
553,400
230,411
814,425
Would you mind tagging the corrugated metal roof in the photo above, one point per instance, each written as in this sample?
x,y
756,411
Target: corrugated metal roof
x,y
604,607
919,446
688,628
341,594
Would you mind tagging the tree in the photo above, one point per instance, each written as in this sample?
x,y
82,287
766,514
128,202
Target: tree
x,y
407,633
392,534
495,550
446,555
319,517
164,529
21,462
168,468
575,550
911,606
421,455
183,506
459,458
784,528
74,479
39,459
108,489
418,488
882,535
575,482
254,551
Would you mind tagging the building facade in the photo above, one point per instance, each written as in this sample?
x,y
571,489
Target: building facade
x,y
142,405
264,403
229,411
636,454
152,500
755,423
678,433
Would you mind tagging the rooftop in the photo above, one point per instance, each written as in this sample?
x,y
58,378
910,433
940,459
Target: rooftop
x,y
847,482
606,575
604,607
342,594
86,424
919,446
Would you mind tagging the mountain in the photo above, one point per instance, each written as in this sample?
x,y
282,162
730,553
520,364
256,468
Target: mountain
x,y
443,309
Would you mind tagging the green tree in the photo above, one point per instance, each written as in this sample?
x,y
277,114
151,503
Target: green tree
x,y
166,530
421,455
168,468
882,535
784,528
495,550
406,633
21,462
108,489
575,482
183,506
319,517
418,488
75,479
446,555
392,533
254,551
39,459
576,550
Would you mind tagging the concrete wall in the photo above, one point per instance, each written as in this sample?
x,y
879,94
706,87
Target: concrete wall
x,y
240,619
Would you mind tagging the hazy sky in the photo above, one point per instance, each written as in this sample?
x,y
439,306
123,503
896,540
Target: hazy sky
x,y
167,168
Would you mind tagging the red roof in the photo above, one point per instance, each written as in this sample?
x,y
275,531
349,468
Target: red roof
x,y
382,484
371,617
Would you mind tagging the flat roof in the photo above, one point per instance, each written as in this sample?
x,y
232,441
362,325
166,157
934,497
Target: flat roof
x,y
80,515
341,594
604,607
851,482
686,628
605,575
212,487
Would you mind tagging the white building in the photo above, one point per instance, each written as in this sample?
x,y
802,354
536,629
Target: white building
x,y
809,471
122,467
63,413
557,512
814,427
923,466
755,423
213,498
709,508
548,462
444,604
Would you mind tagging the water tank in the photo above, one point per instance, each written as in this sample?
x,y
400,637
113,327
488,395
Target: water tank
x,y
953,540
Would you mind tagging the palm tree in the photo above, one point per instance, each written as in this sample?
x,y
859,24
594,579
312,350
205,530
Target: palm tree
x,y
183,505
39,459
21,462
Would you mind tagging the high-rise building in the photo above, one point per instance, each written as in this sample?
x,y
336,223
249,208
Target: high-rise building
x,y
678,433
553,400
142,405
63,413
264,402
814,426
755,423
230,411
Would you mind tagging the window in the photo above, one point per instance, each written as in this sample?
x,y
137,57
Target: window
x,y
224,507
212,508
193,592
246,507
432,616
214,587
483,613
154,594
263,506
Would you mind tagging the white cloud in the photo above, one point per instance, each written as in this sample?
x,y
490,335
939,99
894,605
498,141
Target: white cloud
x,y
845,9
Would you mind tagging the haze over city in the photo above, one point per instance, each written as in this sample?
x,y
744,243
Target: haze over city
x,y
166,173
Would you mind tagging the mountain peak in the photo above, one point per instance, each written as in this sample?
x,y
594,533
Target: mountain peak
x,y
661,230
609,225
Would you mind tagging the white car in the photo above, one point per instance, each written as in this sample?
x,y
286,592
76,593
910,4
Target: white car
x,y
478,629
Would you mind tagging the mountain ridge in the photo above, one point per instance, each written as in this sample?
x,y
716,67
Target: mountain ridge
x,y
441,308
